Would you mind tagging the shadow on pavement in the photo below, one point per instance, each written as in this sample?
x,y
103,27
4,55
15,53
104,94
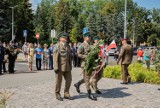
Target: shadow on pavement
x,y
133,83
81,95
109,93
114,93
24,72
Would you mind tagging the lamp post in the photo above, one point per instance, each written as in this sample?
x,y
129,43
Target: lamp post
x,y
133,31
13,21
125,14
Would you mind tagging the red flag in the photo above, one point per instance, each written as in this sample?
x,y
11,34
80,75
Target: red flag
x,y
112,45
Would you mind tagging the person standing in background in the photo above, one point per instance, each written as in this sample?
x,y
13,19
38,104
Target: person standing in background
x,y
116,54
2,53
73,51
140,55
30,56
24,50
5,58
126,55
51,57
147,57
39,52
45,57
12,52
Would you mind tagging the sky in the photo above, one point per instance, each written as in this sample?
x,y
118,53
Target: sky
x,y
149,4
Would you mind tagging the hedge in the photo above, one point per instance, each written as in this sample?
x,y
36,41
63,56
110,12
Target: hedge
x,y
137,71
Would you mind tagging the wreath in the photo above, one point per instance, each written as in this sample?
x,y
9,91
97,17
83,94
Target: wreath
x,y
93,59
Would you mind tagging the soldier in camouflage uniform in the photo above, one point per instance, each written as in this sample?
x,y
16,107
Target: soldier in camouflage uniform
x,y
83,51
98,76
62,66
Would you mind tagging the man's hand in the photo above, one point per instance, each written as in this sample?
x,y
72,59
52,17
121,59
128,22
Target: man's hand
x,y
56,70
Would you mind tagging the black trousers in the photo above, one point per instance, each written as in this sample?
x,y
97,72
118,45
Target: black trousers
x,y
1,61
38,63
75,60
11,65
51,62
4,66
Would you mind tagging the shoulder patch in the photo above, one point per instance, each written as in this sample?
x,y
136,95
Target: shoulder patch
x,y
80,47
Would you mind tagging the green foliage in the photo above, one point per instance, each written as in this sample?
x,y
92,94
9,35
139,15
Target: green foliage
x,y
24,20
112,72
4,19
137,71
73,33
102,17
63,22
92,57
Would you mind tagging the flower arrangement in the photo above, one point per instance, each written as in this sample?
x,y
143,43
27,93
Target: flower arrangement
x,y
93,58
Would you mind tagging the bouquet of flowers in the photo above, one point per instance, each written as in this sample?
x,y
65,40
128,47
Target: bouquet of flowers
x,y
93,59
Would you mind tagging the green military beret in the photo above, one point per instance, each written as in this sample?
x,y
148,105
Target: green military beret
x,y
96,38
86,34
63,35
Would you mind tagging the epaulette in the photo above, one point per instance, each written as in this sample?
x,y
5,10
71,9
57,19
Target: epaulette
x,y
56,47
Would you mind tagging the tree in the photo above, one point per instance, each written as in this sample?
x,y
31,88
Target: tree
x,y
24,20
91,24
63,22
5,25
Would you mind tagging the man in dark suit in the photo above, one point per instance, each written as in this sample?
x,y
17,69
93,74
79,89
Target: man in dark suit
x,y
12,52
2,53
126,55
51,57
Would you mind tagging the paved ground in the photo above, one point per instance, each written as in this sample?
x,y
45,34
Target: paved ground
x,y
36,90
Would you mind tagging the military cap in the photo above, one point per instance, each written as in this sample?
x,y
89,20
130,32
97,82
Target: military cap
x,y
124,39
96,38
63,35
86,34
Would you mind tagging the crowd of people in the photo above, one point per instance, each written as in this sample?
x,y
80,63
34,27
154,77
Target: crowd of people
x,y
42,54
8,52
62,56
146,56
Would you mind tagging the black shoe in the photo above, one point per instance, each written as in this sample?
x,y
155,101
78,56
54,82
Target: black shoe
x,y
158,88
11,72
98,92
124,83
1,73
59,98
77,87
90,95
69,98
129,79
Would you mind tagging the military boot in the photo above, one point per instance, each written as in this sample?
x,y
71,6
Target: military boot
x,y
77,85
90,95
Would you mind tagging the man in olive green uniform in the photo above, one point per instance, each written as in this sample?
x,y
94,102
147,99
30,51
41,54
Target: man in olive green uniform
x,y
62,66
83,51
98,76
126,55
